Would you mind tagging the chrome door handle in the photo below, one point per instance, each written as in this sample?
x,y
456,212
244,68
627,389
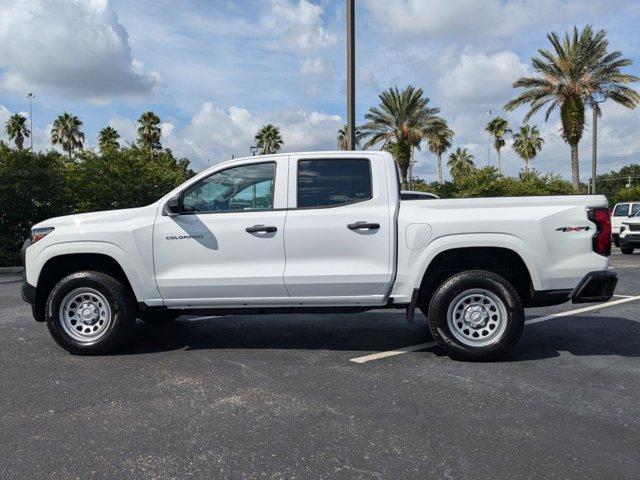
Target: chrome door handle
x,y
363,226
261,229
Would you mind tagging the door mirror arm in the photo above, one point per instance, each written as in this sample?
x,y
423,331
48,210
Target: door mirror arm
x,y
173,207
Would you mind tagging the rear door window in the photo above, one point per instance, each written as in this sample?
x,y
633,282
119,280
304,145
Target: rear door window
x,y
333,182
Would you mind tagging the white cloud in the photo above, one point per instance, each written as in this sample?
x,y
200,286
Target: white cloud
x,y
315,67
482,78
76,47
215,134
298,25
471,19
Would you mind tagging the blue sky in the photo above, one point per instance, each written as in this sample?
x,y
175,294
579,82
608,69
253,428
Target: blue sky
x,y
215,71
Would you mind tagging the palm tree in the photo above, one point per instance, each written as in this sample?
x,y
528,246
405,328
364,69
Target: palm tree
x,y
149,132
577,70
108,139
400,122
268,139
342,137
527,143
498,128
66,132
17,130
460,163
439,137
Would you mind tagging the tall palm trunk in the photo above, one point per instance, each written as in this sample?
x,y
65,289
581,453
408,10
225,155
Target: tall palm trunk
x,y
499,166
575,169
440,179
526,165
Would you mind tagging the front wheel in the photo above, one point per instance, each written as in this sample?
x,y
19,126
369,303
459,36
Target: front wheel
x,y
89,312
476,316
627,250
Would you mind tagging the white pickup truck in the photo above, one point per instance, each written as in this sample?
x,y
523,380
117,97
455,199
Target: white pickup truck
x,y
317,232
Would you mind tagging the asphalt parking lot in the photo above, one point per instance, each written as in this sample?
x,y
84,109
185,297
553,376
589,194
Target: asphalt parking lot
x,y
312,396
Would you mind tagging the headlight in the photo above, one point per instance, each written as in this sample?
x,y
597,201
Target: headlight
x,y
40,233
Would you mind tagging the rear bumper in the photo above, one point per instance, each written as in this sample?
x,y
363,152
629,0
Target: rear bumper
x,y
595,287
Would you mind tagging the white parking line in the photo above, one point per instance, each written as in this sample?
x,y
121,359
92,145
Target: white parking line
x,y
582,310
392,353
422,346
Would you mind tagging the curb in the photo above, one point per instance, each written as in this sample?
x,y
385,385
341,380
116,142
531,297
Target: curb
x,y
10,271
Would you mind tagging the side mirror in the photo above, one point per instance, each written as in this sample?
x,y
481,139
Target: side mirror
x,y
173,207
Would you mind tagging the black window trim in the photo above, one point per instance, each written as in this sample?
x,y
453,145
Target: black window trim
x,y
253,210
339,204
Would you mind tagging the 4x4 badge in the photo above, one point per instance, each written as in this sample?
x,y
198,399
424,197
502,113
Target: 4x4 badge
x,y
584,228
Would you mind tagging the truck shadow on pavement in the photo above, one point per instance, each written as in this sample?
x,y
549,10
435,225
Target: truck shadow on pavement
x,y
375,332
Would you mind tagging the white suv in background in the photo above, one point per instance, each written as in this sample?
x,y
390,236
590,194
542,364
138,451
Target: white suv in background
x,y
620,213
630,234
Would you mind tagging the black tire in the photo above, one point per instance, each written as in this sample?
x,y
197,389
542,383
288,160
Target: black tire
x,y
159,316
121,303
453,288
616,242
627,250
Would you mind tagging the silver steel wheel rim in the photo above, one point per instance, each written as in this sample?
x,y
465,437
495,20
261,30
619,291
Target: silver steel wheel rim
x,y
85,314
477,317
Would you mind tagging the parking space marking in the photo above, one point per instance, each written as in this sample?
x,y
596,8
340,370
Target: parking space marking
x,y
423,346
581,310
393,353
623,296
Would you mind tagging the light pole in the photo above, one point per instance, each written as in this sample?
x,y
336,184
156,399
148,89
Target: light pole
x,y
351,74
30,97
595,100
489,113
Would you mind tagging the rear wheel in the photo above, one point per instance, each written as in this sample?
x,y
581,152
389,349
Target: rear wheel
x,y
89,312
626,250
476,315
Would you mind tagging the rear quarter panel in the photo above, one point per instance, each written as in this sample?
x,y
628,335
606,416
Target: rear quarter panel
x,y
532,227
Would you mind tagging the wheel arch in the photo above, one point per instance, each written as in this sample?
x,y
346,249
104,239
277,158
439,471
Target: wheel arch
x,y
502,261
58,266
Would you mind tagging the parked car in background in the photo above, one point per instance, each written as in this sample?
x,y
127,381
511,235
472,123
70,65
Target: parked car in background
x,y
414,195
630,234
619,214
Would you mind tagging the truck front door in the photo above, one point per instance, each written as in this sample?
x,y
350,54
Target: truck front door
x,y
226,247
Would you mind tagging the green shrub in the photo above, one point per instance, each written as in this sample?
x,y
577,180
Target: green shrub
x,y
37,186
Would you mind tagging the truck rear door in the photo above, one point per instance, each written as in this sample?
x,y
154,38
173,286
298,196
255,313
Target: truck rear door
x,y
339,231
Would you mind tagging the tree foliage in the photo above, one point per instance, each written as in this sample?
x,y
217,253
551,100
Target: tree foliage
x,y
16,129
66,133
578,69
37,186
268,139
399,123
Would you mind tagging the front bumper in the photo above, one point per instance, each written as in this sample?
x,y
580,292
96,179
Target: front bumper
x,y
630,240
28,291
595,287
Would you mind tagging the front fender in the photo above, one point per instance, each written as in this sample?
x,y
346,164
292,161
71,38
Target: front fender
x,y
141,281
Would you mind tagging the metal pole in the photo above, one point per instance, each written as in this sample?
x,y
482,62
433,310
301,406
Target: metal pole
x,y
30,96
594,147
351,75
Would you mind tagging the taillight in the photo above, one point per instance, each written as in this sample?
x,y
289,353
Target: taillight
x,y
601,241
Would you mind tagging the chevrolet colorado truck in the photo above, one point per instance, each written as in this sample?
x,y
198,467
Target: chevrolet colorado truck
x,y
317,232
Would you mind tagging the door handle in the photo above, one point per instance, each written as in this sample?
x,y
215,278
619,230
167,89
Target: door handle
x,y
261,229
363,226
